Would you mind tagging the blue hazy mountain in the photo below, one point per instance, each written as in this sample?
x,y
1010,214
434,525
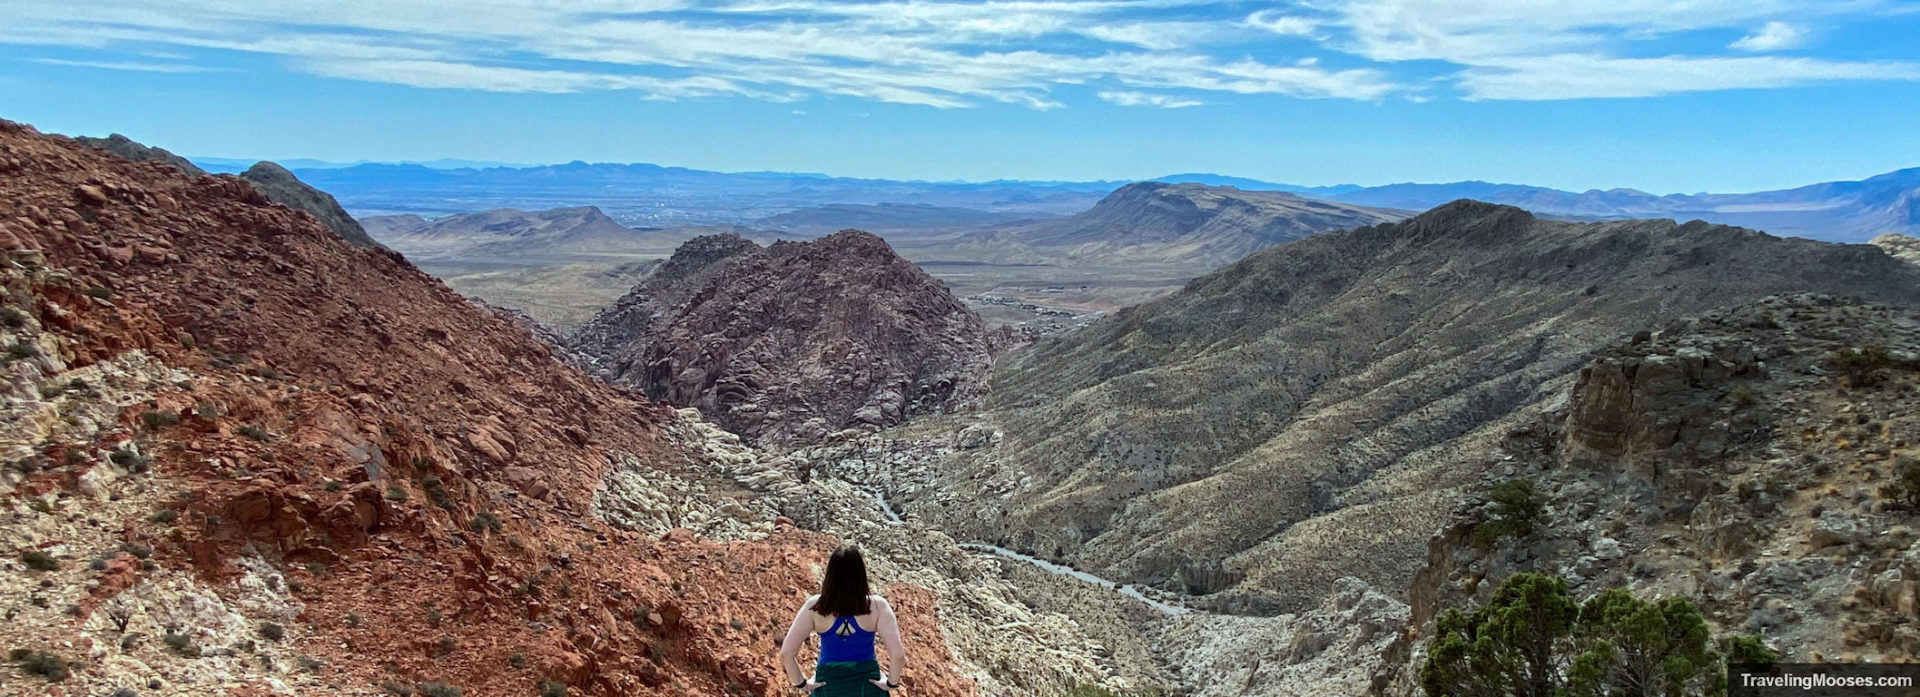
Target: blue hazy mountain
x,y
655,195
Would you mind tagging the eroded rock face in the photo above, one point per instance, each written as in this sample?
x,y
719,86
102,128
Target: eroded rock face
x,y
793,342
1724,459
286,189
221,417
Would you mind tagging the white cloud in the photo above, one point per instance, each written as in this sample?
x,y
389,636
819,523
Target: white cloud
x,y
1574,76
1276,22
137,66
1145,99
1775,36
939,53
961,53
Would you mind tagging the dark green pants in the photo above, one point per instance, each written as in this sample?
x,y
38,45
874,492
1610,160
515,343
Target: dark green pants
x,y
848,679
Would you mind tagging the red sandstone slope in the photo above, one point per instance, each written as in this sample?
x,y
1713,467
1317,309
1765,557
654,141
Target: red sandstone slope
x,y
342,447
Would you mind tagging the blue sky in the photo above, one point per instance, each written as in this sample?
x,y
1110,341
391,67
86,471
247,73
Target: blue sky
x,y
1661,95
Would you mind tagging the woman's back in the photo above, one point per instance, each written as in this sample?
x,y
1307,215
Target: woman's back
x,y
845,639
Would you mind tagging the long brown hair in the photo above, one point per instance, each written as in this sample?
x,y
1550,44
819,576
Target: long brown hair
x,y
843,593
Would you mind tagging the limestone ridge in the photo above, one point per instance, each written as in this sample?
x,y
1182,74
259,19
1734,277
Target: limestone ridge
x,y
284,188
1725,460
1159,222
1900,246
1308,413
506,232
795,341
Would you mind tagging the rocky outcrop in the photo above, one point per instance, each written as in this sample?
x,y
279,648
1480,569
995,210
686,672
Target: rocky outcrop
x,y
1723,459
245,457
1901,246
1316,410
135,151
793,342
282,187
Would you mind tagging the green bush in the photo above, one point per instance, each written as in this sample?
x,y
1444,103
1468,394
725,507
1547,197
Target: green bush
x,y
1750,650
254,432
485,521
158,419
45,665
20,351
1517,510
182,644
1861,365
39,560
1533,640
553,688
395,492
1905,488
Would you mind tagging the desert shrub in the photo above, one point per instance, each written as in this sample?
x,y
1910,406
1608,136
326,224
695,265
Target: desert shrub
x,y
1861,365
1517,509
101,292
310,664
129,460
164,516
397,689
1905,488
1532,640
158,418
272,632
438,689
437,492
39,560
1743,396
13,318
20,351
518,660
181,644
46,665
485,521
395,492
1750,650
447,644
254,432
553,688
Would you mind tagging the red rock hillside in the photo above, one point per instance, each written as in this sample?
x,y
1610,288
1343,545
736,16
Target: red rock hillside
x,y
243,457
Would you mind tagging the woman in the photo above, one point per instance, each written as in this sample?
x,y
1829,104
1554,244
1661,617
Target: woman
x,y
847,619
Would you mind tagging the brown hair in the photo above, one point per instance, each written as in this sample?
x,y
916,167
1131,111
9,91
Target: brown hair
x,y
843,593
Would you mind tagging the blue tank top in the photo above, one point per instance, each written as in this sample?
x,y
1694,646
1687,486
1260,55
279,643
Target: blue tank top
x,y
846,642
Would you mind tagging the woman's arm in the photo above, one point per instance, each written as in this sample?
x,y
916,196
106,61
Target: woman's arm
x,y
889,631
797,637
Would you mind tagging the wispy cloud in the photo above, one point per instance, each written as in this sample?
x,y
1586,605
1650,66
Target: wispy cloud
x,y
1570,76
137,66
1039,54
1162,101
1775,36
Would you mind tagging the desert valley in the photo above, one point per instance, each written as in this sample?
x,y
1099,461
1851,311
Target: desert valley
x,y
959,348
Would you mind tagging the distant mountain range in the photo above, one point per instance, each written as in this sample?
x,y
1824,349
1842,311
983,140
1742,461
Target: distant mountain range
x,y
1846,211
642,194
1155,222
